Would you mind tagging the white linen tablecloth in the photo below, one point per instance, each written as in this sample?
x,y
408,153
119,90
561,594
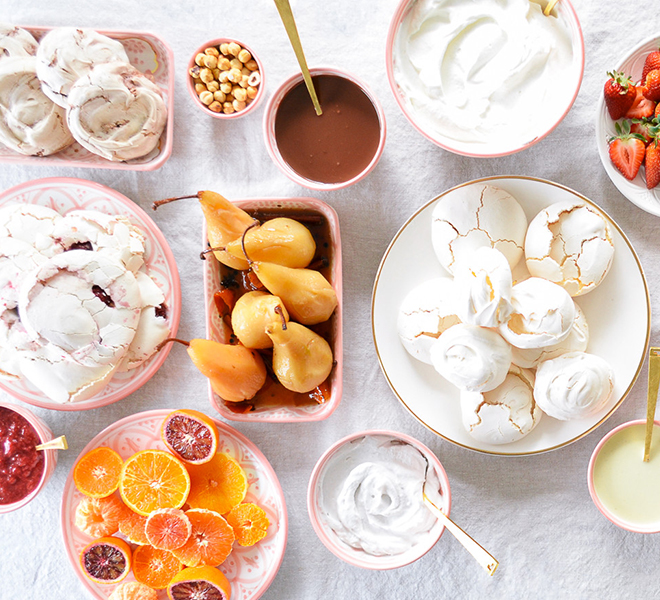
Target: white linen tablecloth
x,y
533,513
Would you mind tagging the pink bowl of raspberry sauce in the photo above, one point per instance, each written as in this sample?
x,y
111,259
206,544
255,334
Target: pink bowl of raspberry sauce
x,y
24,470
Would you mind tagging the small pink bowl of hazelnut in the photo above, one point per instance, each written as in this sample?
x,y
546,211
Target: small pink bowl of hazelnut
x,y
225,78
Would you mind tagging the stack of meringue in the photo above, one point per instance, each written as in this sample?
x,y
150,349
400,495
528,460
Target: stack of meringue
x,y
514,350
75,85
77,303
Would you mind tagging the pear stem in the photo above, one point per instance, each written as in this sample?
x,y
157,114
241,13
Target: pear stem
x,y
203,253
158,203
278,310
168,340
255,223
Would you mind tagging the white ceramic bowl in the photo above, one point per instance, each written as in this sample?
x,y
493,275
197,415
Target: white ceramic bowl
x,y
359,557
631,64
271,140
50,456
563,11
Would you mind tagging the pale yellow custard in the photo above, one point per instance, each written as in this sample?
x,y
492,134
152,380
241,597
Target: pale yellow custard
x,y
628,487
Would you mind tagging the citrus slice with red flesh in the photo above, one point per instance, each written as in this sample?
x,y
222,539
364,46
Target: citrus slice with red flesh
x,y
207,583
154,567
218,485
106,560
167,528
190,435
249,522
153,479
97,473
210,542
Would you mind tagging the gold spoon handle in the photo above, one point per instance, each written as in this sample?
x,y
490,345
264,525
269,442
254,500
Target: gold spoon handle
x,y
549,6
58,443
651,398
286,15
482,556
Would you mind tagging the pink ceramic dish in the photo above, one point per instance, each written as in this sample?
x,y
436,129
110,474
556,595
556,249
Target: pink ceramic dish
x,y
359,557
149,54
63,195
271,141
50,456
250,570
623,487
220,115
216,330
563,10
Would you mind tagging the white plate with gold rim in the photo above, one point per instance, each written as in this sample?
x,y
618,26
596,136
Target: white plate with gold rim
x,y
618,313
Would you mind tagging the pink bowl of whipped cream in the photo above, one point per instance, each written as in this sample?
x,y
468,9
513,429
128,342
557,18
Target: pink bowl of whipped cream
x,y
484,78
365,499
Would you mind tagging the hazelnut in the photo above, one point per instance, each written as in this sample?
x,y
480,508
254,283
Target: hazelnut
x,y
199,60
210,61
233,48
244,56
206,97
212,51
215,106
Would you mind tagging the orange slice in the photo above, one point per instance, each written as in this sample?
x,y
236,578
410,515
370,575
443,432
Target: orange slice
x,y
199,582
106,560
154,567
190,435
153,479
218,485
133,590
249,522
209,543
167,528
98,517
132,526
97,473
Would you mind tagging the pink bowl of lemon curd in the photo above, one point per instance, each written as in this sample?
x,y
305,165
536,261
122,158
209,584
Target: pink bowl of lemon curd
x,y
487,78
331,151
624,487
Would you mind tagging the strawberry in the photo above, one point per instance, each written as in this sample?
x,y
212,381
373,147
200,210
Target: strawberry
x,y
652,62
627,151
651,88
656,112
644,127
652,164
641,107
619,94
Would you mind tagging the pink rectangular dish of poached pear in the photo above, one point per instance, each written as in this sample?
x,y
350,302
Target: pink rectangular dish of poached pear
x,y
149,54
215,330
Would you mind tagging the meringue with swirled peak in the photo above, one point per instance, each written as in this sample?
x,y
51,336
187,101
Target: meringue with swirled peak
x,y
576,341
542,315
426,311
30,123
473,216
483,288
117,112
570,243
473,358
32,224
503,415
16,42
573,386
66,54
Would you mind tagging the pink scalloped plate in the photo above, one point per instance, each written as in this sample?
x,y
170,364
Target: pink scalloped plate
x,y
250,570
64,195
215,329
149,54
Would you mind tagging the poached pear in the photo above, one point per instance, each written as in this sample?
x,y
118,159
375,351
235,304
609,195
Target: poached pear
x,y
306,294
252,313
302,359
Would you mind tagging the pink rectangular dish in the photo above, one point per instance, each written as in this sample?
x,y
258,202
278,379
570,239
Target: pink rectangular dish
x,y
216,330
147,53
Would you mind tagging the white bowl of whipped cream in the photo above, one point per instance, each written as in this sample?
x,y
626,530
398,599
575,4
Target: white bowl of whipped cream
x,y
365,499
487,77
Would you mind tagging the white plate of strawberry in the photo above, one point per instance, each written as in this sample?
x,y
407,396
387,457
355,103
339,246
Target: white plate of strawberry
x,y
628,126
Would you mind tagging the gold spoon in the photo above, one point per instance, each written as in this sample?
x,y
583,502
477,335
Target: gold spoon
x,y
286,15
58,443
549,6
482,556
651,397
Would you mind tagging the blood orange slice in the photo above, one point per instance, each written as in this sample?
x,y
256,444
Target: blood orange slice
x,y
209,543
167,528
154,567
106,560
97,473
199,582
190,435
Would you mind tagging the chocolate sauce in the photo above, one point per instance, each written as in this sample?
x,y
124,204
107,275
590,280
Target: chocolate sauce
x,y
333,147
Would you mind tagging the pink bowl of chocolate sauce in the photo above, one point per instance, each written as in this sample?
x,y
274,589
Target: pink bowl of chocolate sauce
x,y
333,150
